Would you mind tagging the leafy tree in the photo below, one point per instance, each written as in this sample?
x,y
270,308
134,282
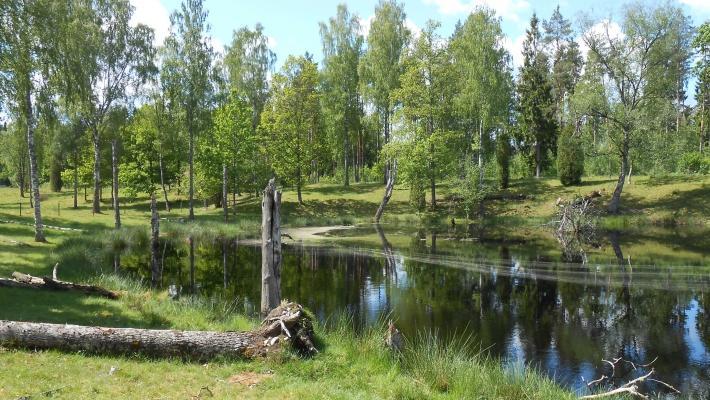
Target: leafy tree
x,y
482,65
292,120
233,143
570,158
188,75
381,65
27,55
105,58
702,72
535,100
426,98
342,49
249,61
628,61
566,60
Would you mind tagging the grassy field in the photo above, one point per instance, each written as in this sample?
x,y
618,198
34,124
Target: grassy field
x,y
350,365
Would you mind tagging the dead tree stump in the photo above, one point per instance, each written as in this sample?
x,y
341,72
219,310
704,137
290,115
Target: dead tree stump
x,y
270,248
154,242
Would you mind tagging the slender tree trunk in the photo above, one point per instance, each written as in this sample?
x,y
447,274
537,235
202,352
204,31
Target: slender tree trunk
x,y
346,151
225,208
162,181
34,175
480,166
702,124
299,184
154,242
538,163
76,180
114,165
21,176
387,138
191,216
615,201
270,248
96,206
388,192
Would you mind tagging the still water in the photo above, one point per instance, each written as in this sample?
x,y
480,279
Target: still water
x,y
640,297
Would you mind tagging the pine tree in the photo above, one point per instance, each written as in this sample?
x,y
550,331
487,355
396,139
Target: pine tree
x,y
536,103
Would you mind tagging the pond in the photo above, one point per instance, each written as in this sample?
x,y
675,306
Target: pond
x,y
518,295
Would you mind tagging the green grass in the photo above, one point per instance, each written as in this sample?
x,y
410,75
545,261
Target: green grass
x,y
350,365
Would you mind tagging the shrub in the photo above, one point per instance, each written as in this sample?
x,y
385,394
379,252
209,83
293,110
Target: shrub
x,y
570,159
694,163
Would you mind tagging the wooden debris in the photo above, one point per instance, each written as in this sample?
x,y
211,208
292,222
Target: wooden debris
x,y
190,345
51,283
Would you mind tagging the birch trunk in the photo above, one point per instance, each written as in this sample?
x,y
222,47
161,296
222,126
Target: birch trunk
x,y
114,169
388,192
225,208
615,201
34,176
162,181
96,206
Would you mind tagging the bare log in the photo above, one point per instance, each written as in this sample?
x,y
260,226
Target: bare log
x,y
270,248
21,280
190,345
388,192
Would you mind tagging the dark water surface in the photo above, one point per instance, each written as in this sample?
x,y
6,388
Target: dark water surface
x,y
639,297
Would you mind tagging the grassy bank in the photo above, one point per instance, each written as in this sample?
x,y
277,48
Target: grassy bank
x,y
675,200
350,365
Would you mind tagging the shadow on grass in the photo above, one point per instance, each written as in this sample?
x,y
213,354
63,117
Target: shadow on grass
x,y
70,308
670,180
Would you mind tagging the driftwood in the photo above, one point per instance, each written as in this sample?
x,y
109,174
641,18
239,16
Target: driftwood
x,y
288,323
388,192
630,387
21,280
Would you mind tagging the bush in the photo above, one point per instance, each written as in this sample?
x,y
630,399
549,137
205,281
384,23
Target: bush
x,y
417,196
570,159
694,163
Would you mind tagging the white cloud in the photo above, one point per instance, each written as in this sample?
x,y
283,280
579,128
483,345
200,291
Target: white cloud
x,y
515,48
702,5
412,26
153,14
216,44
600,30
271,42
508,9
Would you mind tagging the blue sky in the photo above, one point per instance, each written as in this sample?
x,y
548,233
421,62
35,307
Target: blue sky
x,y
292,25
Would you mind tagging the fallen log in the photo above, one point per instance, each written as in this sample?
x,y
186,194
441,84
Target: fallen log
x,y
287,323
52,283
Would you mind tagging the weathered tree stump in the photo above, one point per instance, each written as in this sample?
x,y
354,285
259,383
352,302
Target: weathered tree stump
x,y
286,324
270,248
154,242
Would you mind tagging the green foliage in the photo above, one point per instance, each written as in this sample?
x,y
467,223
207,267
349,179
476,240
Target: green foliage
x,y
694,163
538,131
503,159
570,159
292,124
470,190
249,61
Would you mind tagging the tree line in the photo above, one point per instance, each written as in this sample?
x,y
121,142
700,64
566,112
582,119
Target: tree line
x,y
89,100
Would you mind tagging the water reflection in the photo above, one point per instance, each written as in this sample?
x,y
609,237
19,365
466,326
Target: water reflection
x,y
526,302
